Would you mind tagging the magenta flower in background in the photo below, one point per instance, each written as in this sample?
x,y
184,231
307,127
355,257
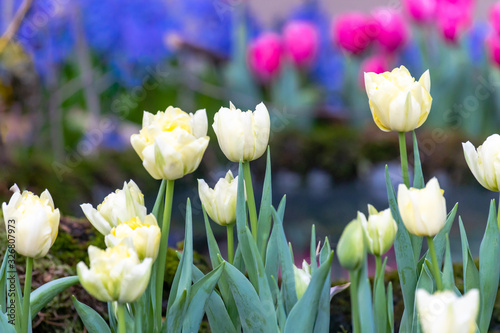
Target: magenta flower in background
x,y
301,42
393,32
421,11
376,63
264,56
353,32
454,17
495,17
493,45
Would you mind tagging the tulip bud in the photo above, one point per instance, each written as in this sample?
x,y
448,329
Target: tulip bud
x,y
453,18
485,162
220,202
393,32
264,56
242,136
118,207
301,40
143,237
351,246
302,278
353,32
171,143
423,211
31,222
446,312
379,230
397,101
422,11
115,274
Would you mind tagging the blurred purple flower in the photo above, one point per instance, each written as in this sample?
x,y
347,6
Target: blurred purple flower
x,y
475,42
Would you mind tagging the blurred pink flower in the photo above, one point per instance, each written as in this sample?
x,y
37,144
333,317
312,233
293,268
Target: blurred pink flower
x,y
422,11
376,63
301,41
495,17
353,32
264,56
493,43
393,31
454,17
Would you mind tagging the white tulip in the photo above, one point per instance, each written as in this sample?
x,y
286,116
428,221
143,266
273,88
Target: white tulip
x,y
220,202
485,162
171,144
242,136
379,229
423,211
445,312
118,207
31,222
302,278
397,101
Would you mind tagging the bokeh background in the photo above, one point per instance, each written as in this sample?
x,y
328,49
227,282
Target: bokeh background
x,y
76,76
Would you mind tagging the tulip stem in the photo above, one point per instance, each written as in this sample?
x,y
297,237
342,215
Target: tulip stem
x,y
162,254
121,319
436,272
404,159
27,293
252,211
356,325
230,243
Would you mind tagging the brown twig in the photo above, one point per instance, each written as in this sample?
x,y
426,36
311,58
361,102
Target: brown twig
x,y
15,24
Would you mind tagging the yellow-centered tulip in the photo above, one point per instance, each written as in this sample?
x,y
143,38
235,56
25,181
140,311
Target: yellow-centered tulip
x,y
220,202
242,136
379,229
423,211
485,162
31,222
115,274
445,312
171,144
143,237
397,101
118,207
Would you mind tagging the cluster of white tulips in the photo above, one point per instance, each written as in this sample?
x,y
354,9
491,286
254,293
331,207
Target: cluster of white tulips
x,y
258,288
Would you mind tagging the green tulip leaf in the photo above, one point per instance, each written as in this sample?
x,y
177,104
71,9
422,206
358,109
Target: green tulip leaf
x,y
448,277
272,254
380,301
44,294
5,326
425,282
213,247
470,271
91,319
390,308
322,323
264,221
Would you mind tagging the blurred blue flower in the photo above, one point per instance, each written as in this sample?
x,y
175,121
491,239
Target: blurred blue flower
x,y
475,42
411,57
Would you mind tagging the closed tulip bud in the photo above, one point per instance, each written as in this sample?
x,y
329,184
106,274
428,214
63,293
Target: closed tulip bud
x,y
351,246
302,278
353,32
423,211
264,56
393,31
220,202
31,222
445,312
171,143
397,101
242,136
485,162
380,230
143,237
421,11
118,207
301,40
115,274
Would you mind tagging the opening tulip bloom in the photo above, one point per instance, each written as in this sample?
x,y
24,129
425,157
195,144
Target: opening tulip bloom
x,y
34,220
118,207
445,312
397,101
264,56
143,237
242,136
379,229
171,144
423,211
485,162
115,275
302,278
301,40
220,202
